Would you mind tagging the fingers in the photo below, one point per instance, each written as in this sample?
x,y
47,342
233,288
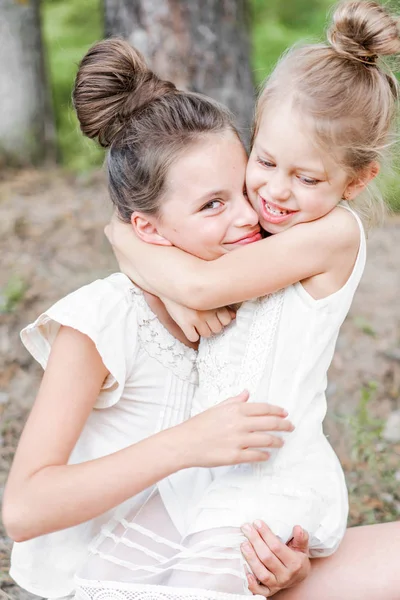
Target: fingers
x,y
225,316
258,409
269,568
260,580
191,333
289,559
263,440
269,424
300,540
251,456
242,397
214,323
257,588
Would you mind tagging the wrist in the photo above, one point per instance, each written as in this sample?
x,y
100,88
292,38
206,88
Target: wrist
x,y
174,449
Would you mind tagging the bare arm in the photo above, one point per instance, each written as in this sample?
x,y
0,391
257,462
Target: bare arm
x,y
264,267
45,494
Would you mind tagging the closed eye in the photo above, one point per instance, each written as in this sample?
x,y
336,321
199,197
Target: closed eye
x,y
309,180
265,163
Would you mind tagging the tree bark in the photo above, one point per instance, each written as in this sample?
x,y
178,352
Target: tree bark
x,y
27,133
201,45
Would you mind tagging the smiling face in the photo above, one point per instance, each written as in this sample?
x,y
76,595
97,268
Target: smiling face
x,y
289,181
205,210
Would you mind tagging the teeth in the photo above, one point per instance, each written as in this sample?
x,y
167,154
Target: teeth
x,y
275,211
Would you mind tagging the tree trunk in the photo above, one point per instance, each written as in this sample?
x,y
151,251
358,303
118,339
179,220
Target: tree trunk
x,y
201,45
26,122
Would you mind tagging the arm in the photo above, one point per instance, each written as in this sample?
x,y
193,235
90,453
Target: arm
x,y
45,494
257,269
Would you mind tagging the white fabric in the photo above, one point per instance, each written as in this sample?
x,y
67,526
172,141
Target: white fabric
x,y
185,541
151,384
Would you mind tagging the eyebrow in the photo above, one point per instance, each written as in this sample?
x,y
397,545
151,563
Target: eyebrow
x,y
209,195
297,167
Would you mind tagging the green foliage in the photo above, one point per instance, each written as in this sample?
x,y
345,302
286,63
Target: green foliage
x,y
276,25
366,429
69,28
372,474
12,294
363,325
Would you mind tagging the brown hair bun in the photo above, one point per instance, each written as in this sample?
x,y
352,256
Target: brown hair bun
x,y
364,31
113,82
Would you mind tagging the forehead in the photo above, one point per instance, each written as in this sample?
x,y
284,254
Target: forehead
x,y
214,162
281,130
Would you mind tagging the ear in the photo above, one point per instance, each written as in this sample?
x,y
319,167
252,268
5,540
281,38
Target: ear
x,y
356,186
146,228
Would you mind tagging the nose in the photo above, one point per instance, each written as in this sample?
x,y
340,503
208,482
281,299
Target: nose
x,y
278,186
246,216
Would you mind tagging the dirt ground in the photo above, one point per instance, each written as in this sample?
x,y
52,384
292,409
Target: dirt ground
x,y
51,242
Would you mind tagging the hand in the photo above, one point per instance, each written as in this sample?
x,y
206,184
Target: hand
x,y
275,566
232,433
196,323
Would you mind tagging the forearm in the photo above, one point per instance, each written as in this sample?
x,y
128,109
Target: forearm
x,y
62,496
249,272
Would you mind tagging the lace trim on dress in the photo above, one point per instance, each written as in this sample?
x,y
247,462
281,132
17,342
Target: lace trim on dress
x,y
110,591
160,344
237,358
260,340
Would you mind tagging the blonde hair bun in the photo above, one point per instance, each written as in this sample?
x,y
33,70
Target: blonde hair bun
x,y
364,31
113,82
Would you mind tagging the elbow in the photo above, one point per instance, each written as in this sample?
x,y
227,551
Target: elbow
x,y
198,296
17,527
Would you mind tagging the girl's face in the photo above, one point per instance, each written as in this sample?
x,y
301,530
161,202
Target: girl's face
x,y
289,181
205,210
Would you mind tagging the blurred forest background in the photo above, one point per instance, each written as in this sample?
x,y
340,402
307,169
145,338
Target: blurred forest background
x,y
51,242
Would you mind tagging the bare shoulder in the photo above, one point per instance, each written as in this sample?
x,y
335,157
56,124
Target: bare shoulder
x,y
341,230
336,231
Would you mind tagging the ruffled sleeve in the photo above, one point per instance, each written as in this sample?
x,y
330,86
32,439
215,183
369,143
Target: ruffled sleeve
x,y
102,310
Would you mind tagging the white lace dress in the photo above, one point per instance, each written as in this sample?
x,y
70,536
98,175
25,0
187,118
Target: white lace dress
x,y
185,541
151,384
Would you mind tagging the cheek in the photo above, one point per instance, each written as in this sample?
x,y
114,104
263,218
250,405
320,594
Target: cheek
x,y
255,177
315,200
203,238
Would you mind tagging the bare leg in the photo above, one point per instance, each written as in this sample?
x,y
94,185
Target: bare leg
x,y
366,567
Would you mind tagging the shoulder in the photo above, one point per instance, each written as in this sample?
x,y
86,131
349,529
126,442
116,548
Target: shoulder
x,y
100,310
342,231
103,300
116,287
341,228
338,231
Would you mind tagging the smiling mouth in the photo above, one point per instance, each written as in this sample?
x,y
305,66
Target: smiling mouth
x,y
276,210
255,236
273,212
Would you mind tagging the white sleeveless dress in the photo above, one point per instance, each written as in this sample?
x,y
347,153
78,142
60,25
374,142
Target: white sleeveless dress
x,y
185,541
152,381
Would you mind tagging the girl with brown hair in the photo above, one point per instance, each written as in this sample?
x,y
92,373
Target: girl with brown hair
x,y
111,418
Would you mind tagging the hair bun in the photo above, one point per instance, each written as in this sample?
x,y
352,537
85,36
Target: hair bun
x,y
112,83
364,31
